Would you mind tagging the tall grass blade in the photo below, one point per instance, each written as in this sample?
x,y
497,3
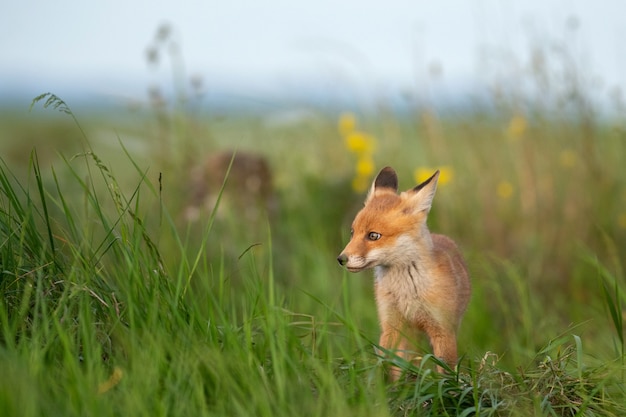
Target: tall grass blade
x,y
44,205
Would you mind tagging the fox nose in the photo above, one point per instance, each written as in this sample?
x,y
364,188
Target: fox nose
x,y
342,259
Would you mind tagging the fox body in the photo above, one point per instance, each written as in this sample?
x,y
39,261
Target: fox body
x,y
421,280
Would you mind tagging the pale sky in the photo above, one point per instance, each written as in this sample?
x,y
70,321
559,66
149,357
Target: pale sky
x,y
99,47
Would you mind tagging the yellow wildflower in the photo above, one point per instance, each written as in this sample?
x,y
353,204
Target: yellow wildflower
x,y
360,143
421,174
364,167
446,174
517,127
347,123
505,190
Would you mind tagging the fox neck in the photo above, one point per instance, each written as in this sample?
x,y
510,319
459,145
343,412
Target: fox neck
x,y
411,251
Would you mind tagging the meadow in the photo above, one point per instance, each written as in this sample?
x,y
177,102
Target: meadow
x,y
114,304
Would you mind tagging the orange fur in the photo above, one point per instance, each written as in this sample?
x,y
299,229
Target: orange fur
x,y
421,281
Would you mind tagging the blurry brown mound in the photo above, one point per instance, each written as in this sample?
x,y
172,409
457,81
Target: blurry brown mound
x,y
248,193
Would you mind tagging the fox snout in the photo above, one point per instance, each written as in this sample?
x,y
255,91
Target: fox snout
x,y
354,263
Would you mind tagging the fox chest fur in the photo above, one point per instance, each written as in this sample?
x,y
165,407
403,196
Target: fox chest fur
x,y
419,292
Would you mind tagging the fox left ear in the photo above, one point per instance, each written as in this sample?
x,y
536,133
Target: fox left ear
x,y
422,195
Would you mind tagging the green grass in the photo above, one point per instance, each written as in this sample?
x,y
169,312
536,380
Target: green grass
x,y
113,305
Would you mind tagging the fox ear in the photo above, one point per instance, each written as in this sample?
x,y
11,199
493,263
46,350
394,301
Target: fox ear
x,y
387,179
422,195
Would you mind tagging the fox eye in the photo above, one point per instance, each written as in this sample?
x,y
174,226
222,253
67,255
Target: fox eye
x,y
373,236
351,232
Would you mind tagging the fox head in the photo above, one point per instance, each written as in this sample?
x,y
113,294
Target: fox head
x,y
391,227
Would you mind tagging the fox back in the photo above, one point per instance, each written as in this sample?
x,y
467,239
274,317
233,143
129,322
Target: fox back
x,y
421,280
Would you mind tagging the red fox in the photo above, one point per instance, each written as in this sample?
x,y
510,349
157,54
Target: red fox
x,y
421,280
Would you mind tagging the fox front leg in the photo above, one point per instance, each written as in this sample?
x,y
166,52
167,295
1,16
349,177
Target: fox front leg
x,y
444,347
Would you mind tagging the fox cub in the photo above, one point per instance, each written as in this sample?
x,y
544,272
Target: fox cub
x,y
421,280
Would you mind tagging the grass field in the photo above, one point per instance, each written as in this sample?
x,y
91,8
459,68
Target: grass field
x,y
113,304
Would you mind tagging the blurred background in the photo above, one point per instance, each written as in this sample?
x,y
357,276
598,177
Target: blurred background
x,y
520,104
258,54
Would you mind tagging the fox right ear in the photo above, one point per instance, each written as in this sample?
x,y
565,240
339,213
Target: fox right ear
x,y
386,179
